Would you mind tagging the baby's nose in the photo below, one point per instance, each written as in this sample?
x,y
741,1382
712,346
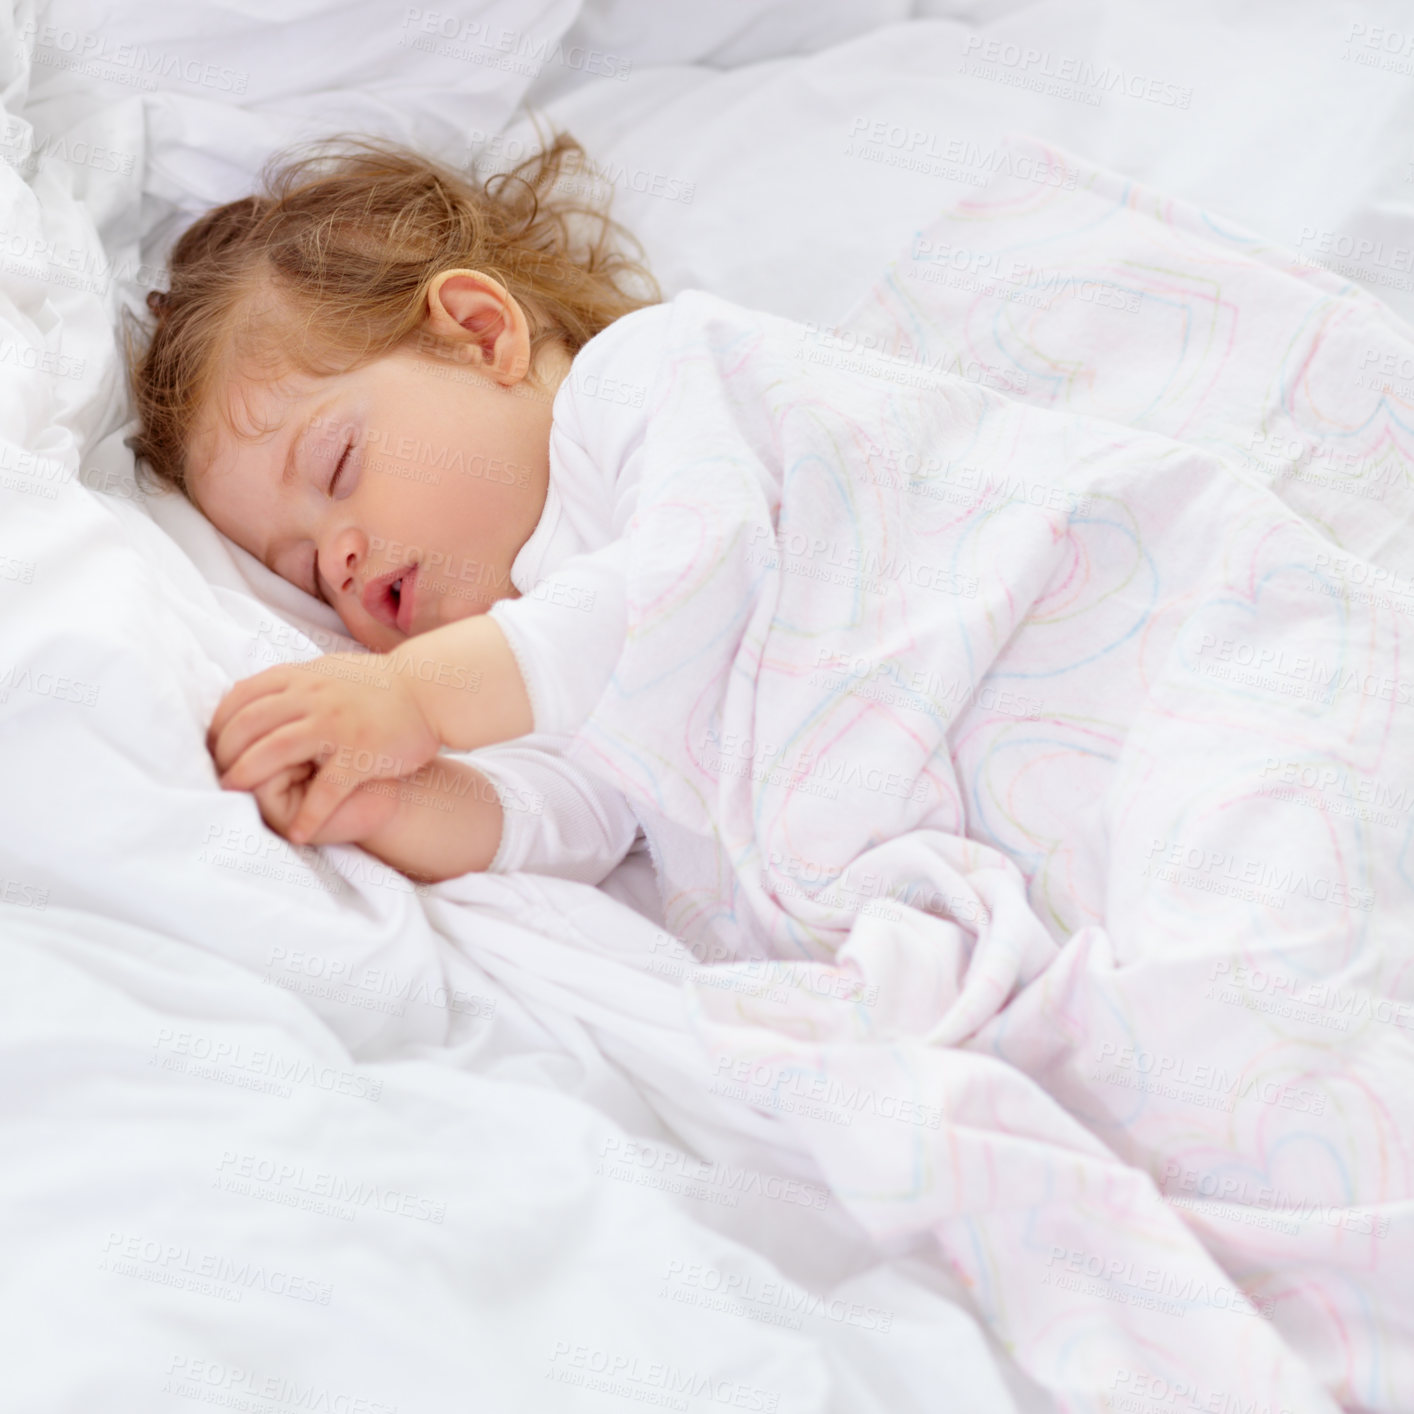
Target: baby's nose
x,y
346,565
345,560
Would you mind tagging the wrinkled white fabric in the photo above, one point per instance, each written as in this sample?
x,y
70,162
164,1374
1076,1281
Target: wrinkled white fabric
x,y
969,712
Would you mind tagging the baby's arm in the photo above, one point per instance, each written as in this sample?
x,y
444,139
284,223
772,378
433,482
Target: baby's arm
x,y
384,715
442,821
467,682
523,806
557,818
350,718
545,657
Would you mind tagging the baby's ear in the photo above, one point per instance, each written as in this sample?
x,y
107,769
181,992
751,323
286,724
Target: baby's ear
x,y
468,308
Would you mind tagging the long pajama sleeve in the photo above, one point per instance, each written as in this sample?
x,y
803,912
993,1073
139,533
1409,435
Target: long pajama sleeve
x,y
557,819
567,623
567,634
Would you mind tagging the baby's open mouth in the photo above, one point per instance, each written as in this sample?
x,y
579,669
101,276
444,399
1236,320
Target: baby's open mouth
x,y
389,598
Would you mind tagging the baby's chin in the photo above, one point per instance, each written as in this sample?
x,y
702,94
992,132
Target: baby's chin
x,y
376,638
379,638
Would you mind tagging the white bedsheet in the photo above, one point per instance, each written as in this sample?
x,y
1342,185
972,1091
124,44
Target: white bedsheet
x,y
523,1031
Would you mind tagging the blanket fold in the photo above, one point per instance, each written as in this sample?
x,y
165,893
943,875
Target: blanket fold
x,y
957,737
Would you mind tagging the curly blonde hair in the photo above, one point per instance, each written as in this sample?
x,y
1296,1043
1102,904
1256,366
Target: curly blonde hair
x,y
328,266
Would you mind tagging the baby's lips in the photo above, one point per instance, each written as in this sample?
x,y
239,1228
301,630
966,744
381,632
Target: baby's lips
x,y
378,599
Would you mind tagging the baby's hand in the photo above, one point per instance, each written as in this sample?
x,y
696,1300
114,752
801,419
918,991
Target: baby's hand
x,y
346,715
362,815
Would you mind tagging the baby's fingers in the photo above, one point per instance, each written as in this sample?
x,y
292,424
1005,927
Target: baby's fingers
x,y
326,792
257,719
242,694
279,797
290,745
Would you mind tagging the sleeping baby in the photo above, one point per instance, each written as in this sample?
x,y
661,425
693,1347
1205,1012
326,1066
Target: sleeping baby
x,y
380,377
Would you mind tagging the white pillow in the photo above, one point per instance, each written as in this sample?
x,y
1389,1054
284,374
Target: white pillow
x,y
727,32
221,85
614,39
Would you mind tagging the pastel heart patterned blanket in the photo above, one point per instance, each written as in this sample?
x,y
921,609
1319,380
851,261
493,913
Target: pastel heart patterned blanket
x,y
1019,705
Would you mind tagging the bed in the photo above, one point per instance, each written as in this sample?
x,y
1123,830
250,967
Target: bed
x,y
480,1145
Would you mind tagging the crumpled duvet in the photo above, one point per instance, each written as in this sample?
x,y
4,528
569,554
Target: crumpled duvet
x,y
995,751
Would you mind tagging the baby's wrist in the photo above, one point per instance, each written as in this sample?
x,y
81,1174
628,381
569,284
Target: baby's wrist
x,y
466,683
393,826
448,822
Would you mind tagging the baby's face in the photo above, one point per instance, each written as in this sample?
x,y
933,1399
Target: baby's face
x,y
399,492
